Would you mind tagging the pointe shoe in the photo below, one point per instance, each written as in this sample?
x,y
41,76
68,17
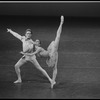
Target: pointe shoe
x,y
52,84
62,19
18,81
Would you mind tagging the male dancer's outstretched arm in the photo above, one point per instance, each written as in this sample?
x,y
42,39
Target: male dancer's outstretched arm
x,y
14,34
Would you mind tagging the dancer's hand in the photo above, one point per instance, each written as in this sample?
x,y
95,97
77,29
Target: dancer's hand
x,y
62,19
22,52
8,30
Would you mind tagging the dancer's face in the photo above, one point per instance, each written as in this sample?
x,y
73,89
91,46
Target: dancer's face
x,y
37,42
28,34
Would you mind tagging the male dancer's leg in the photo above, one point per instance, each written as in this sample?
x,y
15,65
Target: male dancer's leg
x,y
37,65
17,69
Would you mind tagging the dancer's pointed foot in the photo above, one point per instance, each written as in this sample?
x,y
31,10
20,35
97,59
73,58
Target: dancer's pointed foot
x,y
62,19
18,81
53,83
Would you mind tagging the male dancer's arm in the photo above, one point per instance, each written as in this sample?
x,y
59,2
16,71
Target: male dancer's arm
x,y
14,34
29,54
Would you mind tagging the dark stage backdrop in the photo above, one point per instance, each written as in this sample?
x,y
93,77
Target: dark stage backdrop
x,y
86,9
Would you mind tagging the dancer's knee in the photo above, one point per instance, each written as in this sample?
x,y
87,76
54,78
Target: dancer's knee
x,y
55,69
16,66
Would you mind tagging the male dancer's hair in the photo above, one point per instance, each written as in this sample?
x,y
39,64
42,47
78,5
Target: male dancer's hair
x,y
28,30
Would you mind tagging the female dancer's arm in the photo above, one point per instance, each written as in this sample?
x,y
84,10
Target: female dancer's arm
x,y
30,54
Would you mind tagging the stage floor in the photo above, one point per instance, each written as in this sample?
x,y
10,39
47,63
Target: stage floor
x,y
41,90
76,78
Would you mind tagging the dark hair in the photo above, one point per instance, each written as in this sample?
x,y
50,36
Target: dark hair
x,y
29,30
39,41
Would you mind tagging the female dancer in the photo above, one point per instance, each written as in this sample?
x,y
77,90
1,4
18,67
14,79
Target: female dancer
x,y
51,53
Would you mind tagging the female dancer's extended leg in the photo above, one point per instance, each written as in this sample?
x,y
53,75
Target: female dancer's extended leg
x,y
55,48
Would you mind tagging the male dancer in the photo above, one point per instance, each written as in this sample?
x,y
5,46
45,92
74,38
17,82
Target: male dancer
x,y
28,45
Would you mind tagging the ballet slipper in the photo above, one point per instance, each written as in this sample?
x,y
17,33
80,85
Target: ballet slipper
x,y
18,81
52,84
